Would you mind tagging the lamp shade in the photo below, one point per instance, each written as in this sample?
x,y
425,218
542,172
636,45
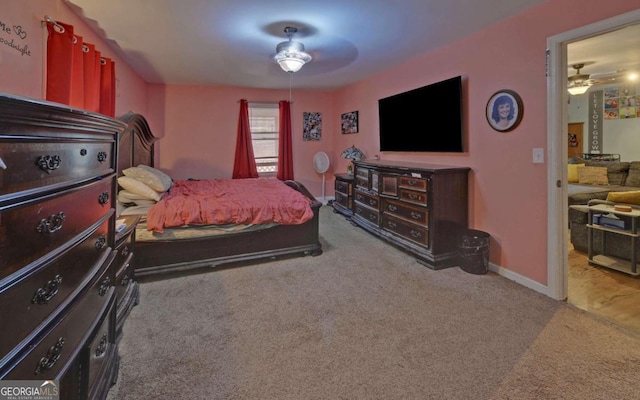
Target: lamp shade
x,y
576,90
352,153
290,64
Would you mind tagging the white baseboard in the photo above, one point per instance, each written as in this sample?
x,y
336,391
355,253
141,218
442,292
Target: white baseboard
x,y
522,280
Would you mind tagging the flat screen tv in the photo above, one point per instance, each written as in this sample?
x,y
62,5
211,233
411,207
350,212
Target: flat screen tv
x,y
427,119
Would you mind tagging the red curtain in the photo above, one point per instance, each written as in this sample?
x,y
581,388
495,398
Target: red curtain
x,y
244,165
77,75
285,145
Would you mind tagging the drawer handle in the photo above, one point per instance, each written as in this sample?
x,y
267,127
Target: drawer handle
x,y
47,362
413,196
391,207
102,156
412,182
51,224
83,152
45,294
125,280
372,202
416,234
372,217
125,251
416,215
49,163
102,346
100,242
104,287
103,198
392,224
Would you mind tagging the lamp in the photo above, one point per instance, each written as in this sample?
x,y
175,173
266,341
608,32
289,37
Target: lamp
x,y
290,55
352,153
580,88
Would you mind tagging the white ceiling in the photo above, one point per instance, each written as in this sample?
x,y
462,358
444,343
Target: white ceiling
x,y
231,42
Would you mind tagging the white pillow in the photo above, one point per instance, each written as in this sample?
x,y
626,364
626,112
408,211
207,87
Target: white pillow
x,y
144,202
136,210
139,188
151,178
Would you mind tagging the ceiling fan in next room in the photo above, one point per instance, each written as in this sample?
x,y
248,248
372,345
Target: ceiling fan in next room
x,y
580,83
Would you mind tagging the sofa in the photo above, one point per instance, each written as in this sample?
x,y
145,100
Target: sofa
x,y
613,181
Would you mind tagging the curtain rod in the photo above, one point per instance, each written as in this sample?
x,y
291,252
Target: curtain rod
x,y
263,102
57,25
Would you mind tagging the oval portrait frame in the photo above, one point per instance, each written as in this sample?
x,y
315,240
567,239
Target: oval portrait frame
x,y
509,96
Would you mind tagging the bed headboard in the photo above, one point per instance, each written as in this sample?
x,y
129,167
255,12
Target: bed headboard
x,y
136,143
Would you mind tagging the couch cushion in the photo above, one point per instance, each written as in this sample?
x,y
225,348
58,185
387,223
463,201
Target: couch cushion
x,y
572,173
616,171
593,176
633,179
629,197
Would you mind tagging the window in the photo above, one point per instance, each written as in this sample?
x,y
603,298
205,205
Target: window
x,y
264,122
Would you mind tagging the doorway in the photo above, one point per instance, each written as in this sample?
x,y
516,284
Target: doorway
x,y
559,146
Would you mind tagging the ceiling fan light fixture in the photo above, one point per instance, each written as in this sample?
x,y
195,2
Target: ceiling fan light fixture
x,y
577,90
290,55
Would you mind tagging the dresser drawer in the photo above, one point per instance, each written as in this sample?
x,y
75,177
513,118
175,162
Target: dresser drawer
x,y
124,276
39,227
32,164
409,182
367,199
343,200
415,233
367,214
416,215
49,358
414,197
343,187
39,295
101,349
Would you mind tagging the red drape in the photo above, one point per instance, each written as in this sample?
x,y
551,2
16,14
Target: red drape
x,y
76,73
244,165
285,145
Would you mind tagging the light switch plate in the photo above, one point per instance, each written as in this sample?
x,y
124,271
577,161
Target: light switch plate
x,y
538,155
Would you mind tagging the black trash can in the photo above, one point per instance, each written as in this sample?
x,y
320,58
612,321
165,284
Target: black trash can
x,y
473,249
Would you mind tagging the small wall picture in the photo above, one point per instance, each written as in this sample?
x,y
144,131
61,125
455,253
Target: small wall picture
x,y
349,122
311,126
504,110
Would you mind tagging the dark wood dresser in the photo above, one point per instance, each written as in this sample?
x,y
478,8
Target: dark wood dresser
x,y
420,208
343,188
58,304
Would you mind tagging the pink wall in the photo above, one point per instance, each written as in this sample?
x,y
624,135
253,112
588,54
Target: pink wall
x,y
508,192
199,126
22,71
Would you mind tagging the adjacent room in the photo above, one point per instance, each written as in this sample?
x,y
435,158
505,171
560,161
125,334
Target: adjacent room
x,y
288,200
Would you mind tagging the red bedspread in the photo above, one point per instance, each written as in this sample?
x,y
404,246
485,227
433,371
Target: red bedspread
x,y
224,201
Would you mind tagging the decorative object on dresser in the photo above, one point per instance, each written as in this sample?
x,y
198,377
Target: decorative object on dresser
x,y
421,208
58,304
343,188
352,153
208,245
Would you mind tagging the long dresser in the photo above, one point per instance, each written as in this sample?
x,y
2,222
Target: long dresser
x,y
58,257
420,208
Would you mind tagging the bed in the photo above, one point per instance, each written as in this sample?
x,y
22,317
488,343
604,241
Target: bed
x,y
209,246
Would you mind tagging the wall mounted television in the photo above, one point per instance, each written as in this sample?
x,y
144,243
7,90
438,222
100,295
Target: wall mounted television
x,y
427,119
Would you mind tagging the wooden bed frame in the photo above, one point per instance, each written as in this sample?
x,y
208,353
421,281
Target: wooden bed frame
x,y
135,148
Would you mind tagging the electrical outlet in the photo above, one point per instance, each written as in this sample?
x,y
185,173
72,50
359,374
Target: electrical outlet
x,y
538,155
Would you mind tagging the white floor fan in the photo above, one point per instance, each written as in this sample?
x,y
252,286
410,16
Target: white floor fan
x,y
321,164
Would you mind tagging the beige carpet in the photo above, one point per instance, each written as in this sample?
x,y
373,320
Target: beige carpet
x,y
365,321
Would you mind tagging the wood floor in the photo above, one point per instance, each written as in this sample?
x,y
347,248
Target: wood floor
x,y
604,292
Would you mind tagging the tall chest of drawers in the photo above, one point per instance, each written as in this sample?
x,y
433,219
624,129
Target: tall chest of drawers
x,y
57,246
420,208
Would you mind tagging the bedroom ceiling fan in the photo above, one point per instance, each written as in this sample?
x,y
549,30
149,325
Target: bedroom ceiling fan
x,y
321,164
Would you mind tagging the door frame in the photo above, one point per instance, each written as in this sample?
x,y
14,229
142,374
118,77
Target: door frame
x,y
557,147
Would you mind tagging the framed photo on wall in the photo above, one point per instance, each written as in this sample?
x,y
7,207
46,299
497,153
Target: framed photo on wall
x,y
311,126
349,122
504,110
